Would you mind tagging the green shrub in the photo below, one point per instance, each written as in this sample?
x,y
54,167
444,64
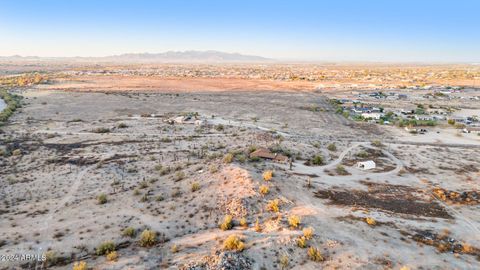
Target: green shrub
x,y
195,186
332,147
317,160
105,248
129,232
102,198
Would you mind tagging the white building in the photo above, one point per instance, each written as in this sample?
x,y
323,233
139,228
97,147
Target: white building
x,y
372,115
366,165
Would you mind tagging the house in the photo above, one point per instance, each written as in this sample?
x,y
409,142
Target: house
x,y
372,115
424,117
472,130
267,154
366,165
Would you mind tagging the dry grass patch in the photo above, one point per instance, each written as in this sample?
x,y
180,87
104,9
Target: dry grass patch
x,y
234,243
264,190
80,266
294,221
148,238
227,223
273,206
315,255
267,175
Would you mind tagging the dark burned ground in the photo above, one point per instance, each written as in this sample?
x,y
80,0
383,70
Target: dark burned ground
x,y
388,198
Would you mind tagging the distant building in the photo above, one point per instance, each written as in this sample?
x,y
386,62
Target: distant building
x,y
472,130
366,165
372,115
267,154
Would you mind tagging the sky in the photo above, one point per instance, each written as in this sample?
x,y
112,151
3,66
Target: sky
x,y
335,30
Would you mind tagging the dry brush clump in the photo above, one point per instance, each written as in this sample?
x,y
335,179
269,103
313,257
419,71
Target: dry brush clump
x,y
267,175
308,233
148,238
82,265
105,248
129,232
273,205
112,256
195,186
302,242
315,255
264,190
102,198
227,223
294,221
370,221
233,243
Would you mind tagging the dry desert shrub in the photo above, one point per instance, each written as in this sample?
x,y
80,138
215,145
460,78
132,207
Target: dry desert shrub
x,y
112,256
129,232
302,242
227,223
284,262
267,175
243,222
332,147
315,255
233,243
228,158
80,266
102,198
105,248
195,186
174,248
273,205
148,238
257,227
370,221
294,221
308,233
264,190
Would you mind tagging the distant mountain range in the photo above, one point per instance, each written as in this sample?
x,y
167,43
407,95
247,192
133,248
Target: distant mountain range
x,y
166,57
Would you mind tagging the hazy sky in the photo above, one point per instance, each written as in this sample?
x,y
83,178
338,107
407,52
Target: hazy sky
x,y
373,30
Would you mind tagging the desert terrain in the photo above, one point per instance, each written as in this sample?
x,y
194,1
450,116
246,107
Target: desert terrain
x,y
153,167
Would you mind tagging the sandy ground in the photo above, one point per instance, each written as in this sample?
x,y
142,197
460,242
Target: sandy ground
x,y
174,84
147,168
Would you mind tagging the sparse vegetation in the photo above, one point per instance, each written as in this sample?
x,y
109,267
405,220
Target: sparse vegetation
x,y
315,255
308,233
267,175
317,160
264,190
273,205
243,222
148,238
102,198
370,221
228,158
294,221
227,223
195,186
284,262
302,242
82,265
112,256
234,243
341,170
129,232
332,147
105,248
